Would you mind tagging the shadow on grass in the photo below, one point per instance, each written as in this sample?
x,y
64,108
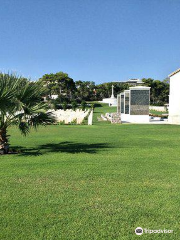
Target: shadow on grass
x,y
98,105
63,147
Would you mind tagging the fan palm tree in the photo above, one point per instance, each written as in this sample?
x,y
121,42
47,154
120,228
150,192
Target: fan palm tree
x,y
21,105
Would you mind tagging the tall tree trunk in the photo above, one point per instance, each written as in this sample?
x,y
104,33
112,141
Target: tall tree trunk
x,y
4,145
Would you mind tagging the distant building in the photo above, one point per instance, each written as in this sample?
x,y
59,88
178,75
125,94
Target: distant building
x,y
54,96
174,98
134,82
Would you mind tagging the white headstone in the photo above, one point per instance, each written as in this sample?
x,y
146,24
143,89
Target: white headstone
x,y
90,118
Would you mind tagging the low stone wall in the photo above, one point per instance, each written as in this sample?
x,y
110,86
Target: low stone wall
x,y
158,108
116,118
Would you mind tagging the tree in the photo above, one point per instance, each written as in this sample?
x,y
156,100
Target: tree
x,y
59,83
49,83
20,104
83,105
85,90
167,80
159,92
105,90
74,105
65,83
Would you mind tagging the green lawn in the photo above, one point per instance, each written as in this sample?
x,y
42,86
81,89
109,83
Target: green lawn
x,y
157,112
91,182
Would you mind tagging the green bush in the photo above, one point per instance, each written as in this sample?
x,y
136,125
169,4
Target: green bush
x,y
74,105
64,105
83,105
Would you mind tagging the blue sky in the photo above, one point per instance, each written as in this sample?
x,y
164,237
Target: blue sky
x,y
91,40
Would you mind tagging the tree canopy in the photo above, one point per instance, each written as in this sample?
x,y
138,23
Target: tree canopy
x,y
68,90
159,92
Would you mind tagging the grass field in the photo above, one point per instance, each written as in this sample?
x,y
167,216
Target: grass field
x,y
95,182
157,112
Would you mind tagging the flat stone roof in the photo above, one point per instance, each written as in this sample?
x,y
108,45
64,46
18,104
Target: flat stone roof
x,y
139,88
173,73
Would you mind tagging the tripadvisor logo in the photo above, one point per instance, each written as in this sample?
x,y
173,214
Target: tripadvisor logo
x,y
139,231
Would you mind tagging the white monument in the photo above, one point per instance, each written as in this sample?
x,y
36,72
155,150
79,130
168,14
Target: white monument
x,y
174,98
112,101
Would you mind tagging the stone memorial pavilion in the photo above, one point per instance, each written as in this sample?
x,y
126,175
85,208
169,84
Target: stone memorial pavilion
x,y
133,104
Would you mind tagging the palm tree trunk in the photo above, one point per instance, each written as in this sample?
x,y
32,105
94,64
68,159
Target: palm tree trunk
x,y
4,145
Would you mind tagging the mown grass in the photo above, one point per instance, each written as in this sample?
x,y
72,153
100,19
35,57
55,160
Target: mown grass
x,y
157,112
91,182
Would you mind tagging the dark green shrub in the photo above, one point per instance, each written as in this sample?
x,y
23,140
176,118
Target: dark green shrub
x,y
74,105
64,105
83,105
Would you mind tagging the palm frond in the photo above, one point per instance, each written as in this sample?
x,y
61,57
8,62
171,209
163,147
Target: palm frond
x,y
21,104
24,128
40,119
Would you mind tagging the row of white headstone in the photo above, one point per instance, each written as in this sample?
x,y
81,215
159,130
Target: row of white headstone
x,y
69,116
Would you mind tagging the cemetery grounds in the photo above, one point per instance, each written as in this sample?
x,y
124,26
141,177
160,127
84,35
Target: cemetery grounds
x,y
91,182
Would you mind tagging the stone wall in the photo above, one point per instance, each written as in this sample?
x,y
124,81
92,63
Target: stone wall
x,y
158,108
116,118
139,102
